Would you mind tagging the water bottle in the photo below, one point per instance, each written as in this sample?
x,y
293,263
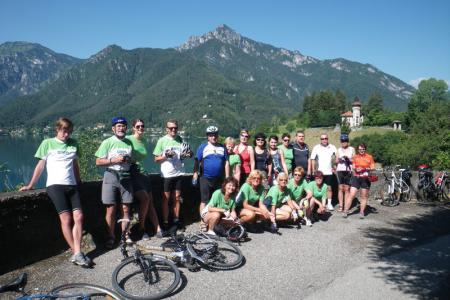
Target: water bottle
x,y
194,181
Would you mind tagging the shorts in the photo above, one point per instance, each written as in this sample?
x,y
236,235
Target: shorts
x,y
115,190
64,197
141,182
344,177
207,187
172,184
360,182
329,180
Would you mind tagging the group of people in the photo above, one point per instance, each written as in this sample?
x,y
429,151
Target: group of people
x,y
238,182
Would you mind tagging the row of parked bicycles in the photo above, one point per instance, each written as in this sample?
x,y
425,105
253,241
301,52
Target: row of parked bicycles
x,y
398,187
148,272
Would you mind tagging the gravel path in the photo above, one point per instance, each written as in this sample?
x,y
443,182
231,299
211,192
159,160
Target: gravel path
x,y
395,253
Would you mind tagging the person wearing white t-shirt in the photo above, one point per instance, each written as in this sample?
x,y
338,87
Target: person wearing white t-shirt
x,y
59,155
322,159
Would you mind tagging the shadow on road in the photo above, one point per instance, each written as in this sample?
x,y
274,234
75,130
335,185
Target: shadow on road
x,y
412,257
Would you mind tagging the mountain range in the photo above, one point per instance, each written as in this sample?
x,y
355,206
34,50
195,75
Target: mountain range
x,y
220,77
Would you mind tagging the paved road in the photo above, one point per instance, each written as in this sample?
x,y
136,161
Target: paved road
x,y
395,253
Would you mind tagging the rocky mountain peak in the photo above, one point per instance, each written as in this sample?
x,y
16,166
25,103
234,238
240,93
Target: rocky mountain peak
x,y
222,33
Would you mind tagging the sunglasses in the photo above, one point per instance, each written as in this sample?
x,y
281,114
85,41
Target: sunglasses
x,y
324,138
139,126
172,128
282,179
286,140
362,149
297,174
245,136
260,140
212,134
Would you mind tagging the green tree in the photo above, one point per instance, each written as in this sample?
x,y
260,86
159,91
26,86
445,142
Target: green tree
x,y
375,103
88,142
429,91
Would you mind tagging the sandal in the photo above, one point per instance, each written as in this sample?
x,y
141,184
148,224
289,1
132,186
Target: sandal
x,y
340,209
203,226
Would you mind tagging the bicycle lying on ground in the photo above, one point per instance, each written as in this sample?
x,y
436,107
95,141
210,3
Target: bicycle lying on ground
x,y
151,272
79,291
396,187
430,188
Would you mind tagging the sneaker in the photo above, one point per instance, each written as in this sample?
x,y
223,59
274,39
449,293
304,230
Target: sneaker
x,y
361,216
159,234
345,215
330,207
128,240
211,232
145,237
273,228
308,223
81,260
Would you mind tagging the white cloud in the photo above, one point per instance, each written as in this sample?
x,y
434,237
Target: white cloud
x,y
415,82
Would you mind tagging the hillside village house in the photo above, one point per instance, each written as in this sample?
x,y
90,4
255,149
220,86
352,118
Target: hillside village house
x,y
353,118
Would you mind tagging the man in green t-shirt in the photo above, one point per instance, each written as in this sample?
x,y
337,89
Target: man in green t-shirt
x,y
114,153
167,152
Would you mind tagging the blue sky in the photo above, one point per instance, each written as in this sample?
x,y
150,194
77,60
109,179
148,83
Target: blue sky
x,y
407,39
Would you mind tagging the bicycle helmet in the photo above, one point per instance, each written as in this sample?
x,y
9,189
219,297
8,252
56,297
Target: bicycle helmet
x,y
212,129
185,150
424,167
344,137
119,120
236,233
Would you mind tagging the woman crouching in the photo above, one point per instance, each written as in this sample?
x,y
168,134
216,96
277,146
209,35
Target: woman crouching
x,y
222,205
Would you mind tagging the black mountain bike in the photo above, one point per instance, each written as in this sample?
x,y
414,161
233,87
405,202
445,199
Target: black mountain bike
x,y
429,188
78,291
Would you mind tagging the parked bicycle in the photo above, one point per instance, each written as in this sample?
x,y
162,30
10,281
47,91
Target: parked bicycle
x,y
79,291
397,186
143,276
429,188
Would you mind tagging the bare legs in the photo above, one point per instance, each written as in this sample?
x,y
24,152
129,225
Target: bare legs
x,y
72,228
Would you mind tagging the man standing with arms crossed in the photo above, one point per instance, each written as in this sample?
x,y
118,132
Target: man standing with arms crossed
x,y
168,153
301,152
114,153
322,160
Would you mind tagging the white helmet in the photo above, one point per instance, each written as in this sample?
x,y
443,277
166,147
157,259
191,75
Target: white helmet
x,y
212,129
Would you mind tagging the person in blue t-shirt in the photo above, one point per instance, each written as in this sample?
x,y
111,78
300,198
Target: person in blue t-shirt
x,y
212,162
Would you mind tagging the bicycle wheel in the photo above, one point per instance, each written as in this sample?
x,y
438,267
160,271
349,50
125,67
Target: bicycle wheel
x,y
217,253
163,277
83,291
389,199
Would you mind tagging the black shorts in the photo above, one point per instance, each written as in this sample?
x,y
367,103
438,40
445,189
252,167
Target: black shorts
x,y
360,182
329,180
64,197
141,182
344,177
172,184
207,187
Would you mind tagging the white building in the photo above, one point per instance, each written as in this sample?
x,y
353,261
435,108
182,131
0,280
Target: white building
x,y
353,118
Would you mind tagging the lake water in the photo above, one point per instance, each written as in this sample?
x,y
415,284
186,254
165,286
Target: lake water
x,y
18,155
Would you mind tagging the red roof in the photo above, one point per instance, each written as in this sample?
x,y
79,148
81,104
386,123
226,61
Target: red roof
x,y
347,114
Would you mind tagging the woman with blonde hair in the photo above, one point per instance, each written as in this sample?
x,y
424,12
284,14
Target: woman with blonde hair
x,y
250,199
233,159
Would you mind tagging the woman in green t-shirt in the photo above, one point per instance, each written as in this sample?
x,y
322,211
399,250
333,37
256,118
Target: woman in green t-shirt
x,y
298,185
279,201
288,152
141,182
316,193
250,199
233,158
221,205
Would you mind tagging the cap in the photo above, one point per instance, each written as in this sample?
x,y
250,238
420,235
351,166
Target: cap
x,y
344,137
117,120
